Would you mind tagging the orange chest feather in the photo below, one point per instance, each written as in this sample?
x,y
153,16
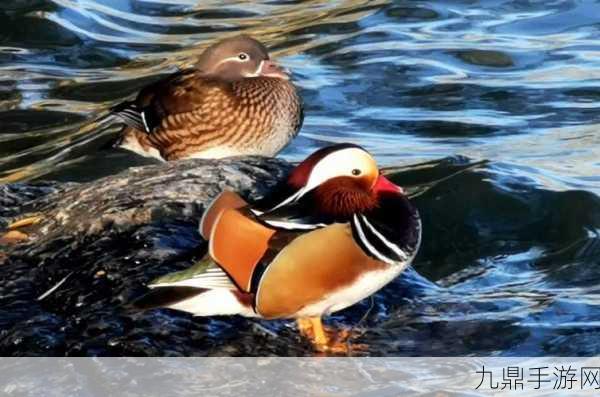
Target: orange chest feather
x,y
310,268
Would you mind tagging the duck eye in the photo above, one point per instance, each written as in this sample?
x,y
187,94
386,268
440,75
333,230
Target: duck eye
x,y
356,172
243,56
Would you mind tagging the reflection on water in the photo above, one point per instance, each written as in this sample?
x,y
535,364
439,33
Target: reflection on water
x,y
512,246
410,80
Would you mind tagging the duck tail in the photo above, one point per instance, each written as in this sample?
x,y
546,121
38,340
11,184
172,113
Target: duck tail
x,y
166,296
198,301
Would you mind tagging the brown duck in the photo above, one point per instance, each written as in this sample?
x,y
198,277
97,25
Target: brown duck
x,y
234,101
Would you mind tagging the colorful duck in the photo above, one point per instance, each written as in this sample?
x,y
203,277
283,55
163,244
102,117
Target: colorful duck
x,y
335,232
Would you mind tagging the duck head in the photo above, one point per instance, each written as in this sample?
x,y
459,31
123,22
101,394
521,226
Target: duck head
x,y
237,58
337,182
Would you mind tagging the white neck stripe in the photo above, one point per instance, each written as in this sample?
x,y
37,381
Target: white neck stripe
x,y
390,245
363,239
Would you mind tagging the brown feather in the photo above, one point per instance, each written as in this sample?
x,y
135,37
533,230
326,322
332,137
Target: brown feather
x,y
216,106
311,267
199,114
344,196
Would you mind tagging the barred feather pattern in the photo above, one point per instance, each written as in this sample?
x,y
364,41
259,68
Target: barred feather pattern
x,y
252,116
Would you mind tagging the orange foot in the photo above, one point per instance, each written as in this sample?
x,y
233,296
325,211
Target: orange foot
x,y
328,340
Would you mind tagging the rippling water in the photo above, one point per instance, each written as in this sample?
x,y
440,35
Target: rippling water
x,y
512,242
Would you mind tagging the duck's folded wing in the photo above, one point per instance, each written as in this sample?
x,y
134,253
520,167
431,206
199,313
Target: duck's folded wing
x,y
183,98
238,243
224,201
137,113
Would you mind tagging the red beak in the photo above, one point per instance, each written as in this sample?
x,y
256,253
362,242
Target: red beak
x,y
385,185
270,68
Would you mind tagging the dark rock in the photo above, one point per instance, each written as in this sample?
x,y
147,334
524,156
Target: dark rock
x,y
14,198
104,240
178,190
488,237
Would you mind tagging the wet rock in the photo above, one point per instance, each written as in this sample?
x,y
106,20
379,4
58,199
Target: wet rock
x,y
498,252
100,242
14,198
137,197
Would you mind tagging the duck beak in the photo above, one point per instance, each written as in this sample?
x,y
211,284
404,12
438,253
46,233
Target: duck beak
x,y
384,185
270,68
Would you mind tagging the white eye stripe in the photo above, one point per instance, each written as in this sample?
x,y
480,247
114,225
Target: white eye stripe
x,y
235,59
257,72
294,225
340,163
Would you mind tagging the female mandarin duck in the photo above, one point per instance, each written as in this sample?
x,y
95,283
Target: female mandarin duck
x,y
335,232
234,101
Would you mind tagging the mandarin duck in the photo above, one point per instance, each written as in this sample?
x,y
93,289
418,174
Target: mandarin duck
x,y
234,101
335,232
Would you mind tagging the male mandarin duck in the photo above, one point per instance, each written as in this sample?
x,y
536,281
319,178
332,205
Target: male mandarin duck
x,y
335,232
234,101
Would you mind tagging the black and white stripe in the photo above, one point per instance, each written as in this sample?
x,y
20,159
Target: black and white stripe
x,y
291,214
134,117
293,225
375,243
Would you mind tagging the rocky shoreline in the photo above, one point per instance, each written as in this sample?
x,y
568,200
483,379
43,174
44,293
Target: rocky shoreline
x,y
100,242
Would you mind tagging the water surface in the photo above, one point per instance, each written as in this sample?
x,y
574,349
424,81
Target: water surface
x,y
498,99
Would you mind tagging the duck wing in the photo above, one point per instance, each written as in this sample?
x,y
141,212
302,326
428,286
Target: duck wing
x,y
181,98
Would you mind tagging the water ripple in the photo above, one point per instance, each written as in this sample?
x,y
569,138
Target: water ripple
x,y
514,83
